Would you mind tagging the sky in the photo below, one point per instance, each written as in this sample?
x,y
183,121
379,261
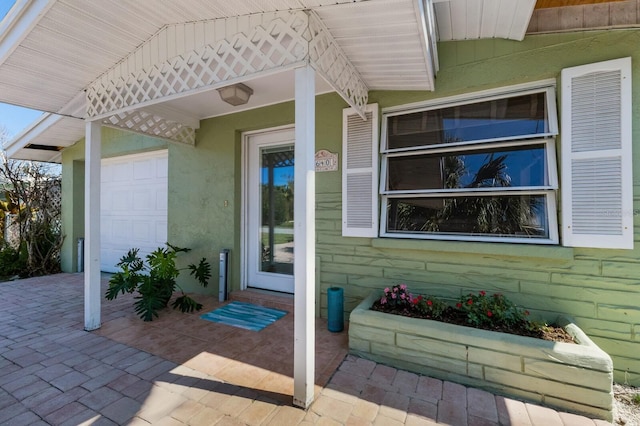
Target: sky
x,y
14,118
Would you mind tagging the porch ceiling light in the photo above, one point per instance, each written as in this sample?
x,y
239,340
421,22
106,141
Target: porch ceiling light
x,y
236,94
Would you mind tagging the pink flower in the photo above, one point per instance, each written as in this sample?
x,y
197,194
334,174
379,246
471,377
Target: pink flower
x,y
386,290
403,286
383,300
395,289
393,295
403,296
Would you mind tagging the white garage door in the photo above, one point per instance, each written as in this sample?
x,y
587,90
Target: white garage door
x,y
133,206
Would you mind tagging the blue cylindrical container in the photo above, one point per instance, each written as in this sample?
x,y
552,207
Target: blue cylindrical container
x,y
335,301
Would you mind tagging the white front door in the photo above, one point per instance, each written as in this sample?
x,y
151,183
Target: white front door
x,y
269,210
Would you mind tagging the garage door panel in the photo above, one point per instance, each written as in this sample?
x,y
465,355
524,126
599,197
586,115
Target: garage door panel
x,y
133,206
144,200
144,232
121,229
161,200
162,169
161,232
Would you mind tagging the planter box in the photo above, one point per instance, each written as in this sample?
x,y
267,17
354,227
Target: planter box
x,y
571,377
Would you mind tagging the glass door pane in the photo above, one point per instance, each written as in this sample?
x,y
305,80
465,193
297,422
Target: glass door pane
x,y
276,214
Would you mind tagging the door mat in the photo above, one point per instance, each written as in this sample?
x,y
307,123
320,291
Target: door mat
x,y
244,315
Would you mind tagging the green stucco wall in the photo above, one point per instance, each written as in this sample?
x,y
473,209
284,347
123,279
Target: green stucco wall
x,y
600,289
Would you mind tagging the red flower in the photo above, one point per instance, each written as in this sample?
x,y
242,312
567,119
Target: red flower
x,y
469,302
458,305
482,293
415,301
489,313
429,302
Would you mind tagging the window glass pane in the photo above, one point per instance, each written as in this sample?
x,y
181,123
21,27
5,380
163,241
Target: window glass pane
x,y
488,168
501,118
522,216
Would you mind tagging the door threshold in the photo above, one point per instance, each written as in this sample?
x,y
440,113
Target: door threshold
x,y
267,298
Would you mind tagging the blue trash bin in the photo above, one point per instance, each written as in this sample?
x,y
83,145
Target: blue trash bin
x,y
335,301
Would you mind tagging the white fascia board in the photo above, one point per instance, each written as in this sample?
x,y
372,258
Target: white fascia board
x,y
76,109
36,129
428,37
18,23
41,156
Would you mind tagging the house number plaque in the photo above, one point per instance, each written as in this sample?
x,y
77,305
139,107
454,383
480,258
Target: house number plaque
x,y
326,161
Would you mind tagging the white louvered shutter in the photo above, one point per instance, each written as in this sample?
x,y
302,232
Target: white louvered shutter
x,y
360,173
597,185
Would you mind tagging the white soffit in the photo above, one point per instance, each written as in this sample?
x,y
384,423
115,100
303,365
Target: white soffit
x,y
475,19
45,138
72,42
382,39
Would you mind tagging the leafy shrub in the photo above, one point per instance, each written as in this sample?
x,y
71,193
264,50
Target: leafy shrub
x,y
155,281
12,262
496,310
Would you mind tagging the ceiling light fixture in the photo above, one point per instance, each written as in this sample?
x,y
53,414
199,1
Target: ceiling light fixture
x,y
236,94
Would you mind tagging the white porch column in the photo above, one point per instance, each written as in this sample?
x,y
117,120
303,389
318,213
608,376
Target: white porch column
x,y
92,293
304,236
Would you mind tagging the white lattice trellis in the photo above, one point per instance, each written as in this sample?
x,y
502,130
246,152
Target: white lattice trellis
x,y
153,125
280,41
330,61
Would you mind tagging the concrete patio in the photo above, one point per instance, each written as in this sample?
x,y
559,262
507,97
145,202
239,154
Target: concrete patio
x,y
181,369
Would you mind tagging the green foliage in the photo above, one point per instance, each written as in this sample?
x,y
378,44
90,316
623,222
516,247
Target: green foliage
x,y
496,310
155,281
429,306
493,312
12,262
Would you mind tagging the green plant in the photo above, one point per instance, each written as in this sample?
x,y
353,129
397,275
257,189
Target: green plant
x,y
12,261
496,310
636,399
155,281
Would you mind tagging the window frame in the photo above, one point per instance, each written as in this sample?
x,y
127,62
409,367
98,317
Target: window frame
x,y
547,139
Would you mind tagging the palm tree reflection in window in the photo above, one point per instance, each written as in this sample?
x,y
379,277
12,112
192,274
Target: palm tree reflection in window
x,y
489,214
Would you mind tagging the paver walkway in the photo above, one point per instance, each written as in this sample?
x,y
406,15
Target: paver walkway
x,y
184,370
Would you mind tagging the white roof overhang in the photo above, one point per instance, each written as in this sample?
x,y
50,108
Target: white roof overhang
x,y
63,56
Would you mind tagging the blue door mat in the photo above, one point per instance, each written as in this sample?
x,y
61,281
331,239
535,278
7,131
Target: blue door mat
x,y
244,315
